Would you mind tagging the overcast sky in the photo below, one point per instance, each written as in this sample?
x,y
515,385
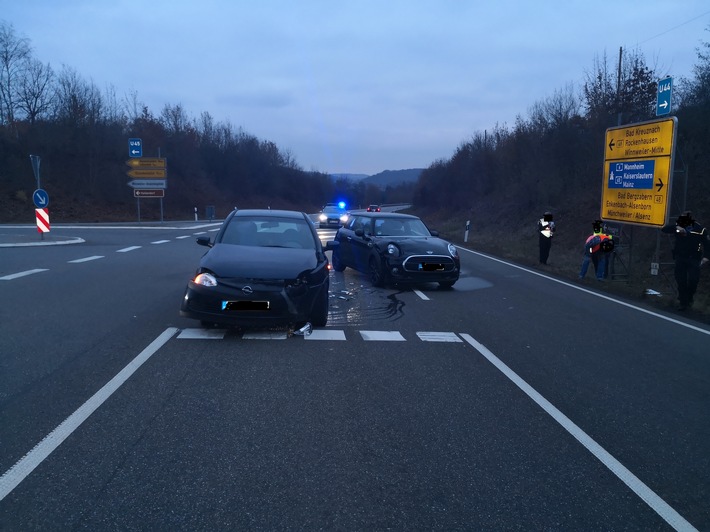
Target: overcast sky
x,y
358,86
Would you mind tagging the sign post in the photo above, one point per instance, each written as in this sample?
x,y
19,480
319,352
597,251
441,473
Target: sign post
x,y
638,172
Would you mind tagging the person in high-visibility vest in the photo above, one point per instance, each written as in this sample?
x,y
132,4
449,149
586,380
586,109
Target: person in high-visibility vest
x,y
596,248
545,230
691,251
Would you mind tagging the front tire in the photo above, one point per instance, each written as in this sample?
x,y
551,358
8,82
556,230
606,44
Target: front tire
x,y
319,314
337,264
377,276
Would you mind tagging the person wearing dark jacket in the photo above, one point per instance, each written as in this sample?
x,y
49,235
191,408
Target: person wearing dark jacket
x,y
545,230
691,250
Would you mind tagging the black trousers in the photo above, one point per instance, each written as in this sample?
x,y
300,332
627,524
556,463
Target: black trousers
x,y
687,275
545,245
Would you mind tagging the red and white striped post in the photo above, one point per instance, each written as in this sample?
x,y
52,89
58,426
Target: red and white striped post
x,y
42,216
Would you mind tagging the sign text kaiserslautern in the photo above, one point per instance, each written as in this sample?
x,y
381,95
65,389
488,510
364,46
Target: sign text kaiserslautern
x,y
638,171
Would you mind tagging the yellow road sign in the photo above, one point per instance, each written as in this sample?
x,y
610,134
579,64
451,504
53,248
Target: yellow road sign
x,y
147,173
638,172
147,162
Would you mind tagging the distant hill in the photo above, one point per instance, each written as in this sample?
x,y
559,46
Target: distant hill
x,y
394,177
351,177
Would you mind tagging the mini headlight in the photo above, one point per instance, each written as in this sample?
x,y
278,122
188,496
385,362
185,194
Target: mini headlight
x,y
452,249
205,279
344,218
322,217
393,250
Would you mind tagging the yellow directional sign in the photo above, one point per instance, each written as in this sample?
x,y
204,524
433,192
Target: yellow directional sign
x,y
147,173
147,162
638,172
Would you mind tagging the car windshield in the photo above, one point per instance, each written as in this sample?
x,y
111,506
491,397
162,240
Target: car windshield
x,y
400,227
269,232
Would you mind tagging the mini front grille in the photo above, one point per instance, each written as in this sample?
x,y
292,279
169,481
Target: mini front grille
x,y
429,263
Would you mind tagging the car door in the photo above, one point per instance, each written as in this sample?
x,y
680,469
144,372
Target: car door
x,y
360,242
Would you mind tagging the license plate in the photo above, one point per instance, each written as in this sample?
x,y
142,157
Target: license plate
x,y
432,267
245,305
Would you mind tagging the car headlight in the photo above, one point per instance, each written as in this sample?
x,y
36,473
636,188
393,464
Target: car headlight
x,y
452,249
344,218
205,279
322,217
393,250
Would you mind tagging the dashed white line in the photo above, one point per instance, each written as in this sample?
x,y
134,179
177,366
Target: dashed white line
x,y
85,259
131,248
160,242
421,294
22,274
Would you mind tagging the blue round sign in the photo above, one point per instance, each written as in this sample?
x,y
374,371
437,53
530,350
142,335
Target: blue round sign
x,y
40,198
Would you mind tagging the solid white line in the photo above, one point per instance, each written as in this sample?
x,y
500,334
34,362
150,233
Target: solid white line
x,y
581,289
17,473
131,248
86,259
658,505
21,274
421,294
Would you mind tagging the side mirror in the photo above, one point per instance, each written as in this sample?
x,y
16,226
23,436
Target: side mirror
x,y
204,241
330,245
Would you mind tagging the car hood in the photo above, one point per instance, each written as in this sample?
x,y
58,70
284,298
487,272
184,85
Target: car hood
x,y
418,245
230,261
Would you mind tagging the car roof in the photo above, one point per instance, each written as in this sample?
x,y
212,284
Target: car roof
x,y
389,215
268,213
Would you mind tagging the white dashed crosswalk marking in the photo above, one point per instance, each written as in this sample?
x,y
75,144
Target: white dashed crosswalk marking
x,y
320,334
438,337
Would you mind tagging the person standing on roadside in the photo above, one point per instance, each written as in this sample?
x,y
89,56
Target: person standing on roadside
x,y
545,230
691,251
596,249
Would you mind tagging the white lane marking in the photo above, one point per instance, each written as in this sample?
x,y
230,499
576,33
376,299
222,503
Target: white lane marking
x,y
160,242
421,294
387,336
182,237
431,336
86,259
22,274
202,334
265,336
17,473
581,289
200,233
326,334
131,248
661,507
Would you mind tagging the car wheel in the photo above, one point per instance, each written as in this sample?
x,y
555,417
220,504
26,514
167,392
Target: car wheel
x,y
337,264
377,277
319,314
446,284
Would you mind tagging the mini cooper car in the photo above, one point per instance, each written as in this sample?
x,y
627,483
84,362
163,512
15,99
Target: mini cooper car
x,y
265,268
395,248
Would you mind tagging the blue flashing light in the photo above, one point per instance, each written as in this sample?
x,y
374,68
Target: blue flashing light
x,y
341,204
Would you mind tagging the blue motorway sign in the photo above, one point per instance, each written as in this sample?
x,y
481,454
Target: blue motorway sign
x,y
135,148
631,174
663,97
40,198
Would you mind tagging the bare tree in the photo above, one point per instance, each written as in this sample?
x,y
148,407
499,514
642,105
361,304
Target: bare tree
x,y
15,52
35,96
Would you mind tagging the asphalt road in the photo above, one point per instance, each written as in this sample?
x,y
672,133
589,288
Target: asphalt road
x,y
515,401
